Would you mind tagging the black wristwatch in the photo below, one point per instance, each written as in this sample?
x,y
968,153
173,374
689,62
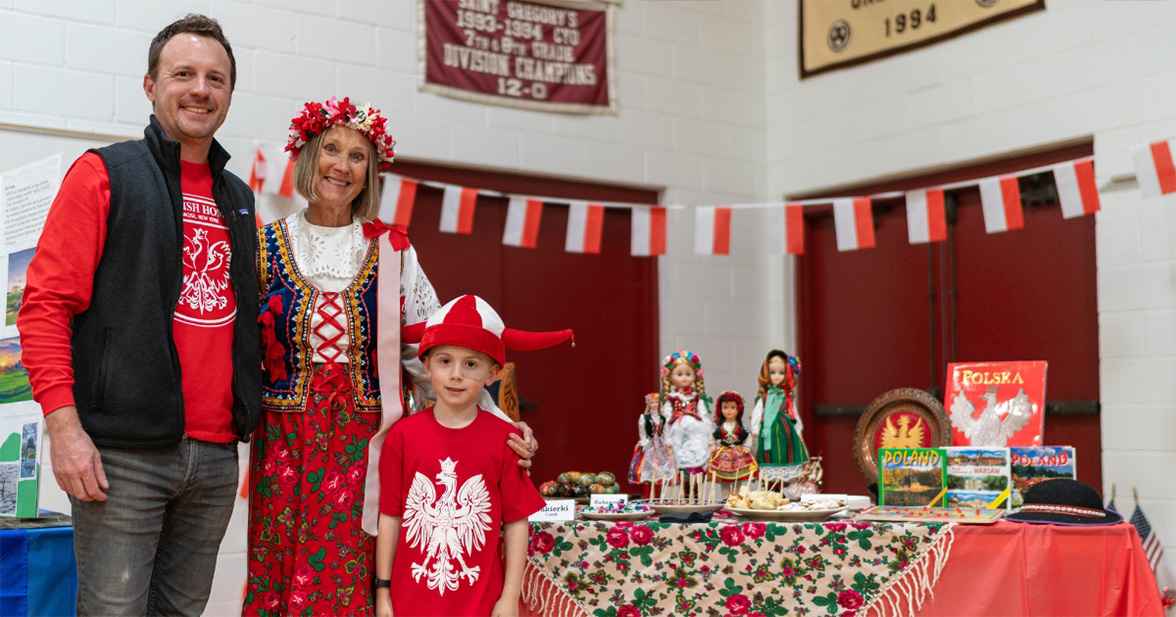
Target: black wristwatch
x,y
383,582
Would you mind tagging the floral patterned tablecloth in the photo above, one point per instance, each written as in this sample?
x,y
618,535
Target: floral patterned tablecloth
x,y
732,567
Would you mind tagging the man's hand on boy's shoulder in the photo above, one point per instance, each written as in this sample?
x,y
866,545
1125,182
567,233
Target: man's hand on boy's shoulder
x,y
525,446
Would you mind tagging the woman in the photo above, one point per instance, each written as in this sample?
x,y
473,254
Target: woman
x,y
323,415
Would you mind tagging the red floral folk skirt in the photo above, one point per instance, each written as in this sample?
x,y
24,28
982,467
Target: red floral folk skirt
x,y
308,554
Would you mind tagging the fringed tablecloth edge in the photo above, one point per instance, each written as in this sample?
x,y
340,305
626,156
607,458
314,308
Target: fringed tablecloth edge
x,y
544,595
904,594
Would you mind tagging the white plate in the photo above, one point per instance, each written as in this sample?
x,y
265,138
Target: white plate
x,y
683,508
615,516
787,515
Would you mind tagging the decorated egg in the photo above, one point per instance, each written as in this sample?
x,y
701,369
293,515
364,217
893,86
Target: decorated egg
x,y
606,478
548,489
586,480
573,476
612,489
579,491
563,478
596,489
564,490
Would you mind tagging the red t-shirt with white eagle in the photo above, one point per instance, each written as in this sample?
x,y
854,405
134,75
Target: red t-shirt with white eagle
x,y
454,488
206,312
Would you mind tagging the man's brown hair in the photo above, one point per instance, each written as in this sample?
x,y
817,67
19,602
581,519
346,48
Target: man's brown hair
x,y
192,23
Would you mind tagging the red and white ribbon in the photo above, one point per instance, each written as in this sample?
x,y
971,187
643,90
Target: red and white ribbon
x,y
712,230
1001,200
522,221
649,231
257,170
1154,167
926,219
457,209
1077,191
853,221
585,227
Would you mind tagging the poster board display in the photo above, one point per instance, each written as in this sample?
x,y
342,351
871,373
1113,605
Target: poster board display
x,y
836,34
996,404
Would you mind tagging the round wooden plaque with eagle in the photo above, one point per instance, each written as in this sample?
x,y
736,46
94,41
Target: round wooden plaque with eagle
x,y
900,418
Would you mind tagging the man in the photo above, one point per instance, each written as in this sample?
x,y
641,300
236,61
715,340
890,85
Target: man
x,y
139,332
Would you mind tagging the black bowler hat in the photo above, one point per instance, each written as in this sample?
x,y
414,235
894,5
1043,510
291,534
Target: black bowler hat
x,y
1064,502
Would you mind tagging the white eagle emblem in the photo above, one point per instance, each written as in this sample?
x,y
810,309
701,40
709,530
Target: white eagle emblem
x,y
997,423
448,528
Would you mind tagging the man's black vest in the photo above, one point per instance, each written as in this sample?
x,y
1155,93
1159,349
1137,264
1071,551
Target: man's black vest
x,y
127,382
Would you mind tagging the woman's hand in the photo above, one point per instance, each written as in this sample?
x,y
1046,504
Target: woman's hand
x,y
524,446
505,608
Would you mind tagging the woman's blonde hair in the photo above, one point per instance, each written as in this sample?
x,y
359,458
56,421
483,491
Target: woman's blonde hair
x,y
366,205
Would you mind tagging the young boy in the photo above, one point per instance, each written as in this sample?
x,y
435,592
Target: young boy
x,y
448,481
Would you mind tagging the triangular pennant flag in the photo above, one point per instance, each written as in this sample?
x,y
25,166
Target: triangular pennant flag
x,y
1001,200
853,221
786,229
926,219
397,200
522,221
585,226
649,231
712,230
1154,168
257,172
1077,191
457,209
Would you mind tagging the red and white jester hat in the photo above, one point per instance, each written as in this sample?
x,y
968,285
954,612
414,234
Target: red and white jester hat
x,y
469,322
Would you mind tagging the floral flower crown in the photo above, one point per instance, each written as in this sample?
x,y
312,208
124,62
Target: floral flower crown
x,y
682,356
316,118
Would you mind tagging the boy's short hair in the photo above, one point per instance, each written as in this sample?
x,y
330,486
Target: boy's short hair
x,y
481,354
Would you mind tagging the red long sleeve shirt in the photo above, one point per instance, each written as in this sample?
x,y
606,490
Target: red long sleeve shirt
x,y
60,282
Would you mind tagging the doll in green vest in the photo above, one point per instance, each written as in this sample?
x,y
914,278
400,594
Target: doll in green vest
x,y
775,425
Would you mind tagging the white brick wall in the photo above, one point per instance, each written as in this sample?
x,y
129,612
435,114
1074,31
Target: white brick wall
x,y
1080,68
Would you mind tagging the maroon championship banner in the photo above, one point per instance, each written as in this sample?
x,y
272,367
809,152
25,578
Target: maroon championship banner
x,y
550,55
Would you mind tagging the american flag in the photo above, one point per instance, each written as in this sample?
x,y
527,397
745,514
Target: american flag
x,y
1152,547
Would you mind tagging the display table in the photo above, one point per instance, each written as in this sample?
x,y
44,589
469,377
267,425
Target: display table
x,y
836,568
38,575
1013,569
730,567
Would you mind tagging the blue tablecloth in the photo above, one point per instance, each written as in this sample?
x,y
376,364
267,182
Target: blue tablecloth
x,y
38,575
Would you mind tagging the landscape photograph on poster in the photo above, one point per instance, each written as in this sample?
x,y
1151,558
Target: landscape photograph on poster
x,y
18,266
910,476
14,379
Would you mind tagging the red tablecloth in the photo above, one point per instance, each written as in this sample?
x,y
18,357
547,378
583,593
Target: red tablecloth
x,y
1013,569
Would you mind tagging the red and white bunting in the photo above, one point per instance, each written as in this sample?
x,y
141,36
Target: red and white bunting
x,y
257,171
457,209
1077,191
926,219
712,230
786,229
853,221
585,226
1001,200
279,174
397,200
522,221
1154,168
649,231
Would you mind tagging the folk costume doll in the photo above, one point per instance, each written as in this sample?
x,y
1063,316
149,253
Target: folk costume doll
x,y
685,405
653,461
775,425
730,460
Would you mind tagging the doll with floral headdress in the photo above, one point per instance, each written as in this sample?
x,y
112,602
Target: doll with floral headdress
x,y
775,425
685,407
730,460
653,461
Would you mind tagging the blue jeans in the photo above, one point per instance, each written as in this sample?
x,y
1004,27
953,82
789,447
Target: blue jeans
x,y
151,547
